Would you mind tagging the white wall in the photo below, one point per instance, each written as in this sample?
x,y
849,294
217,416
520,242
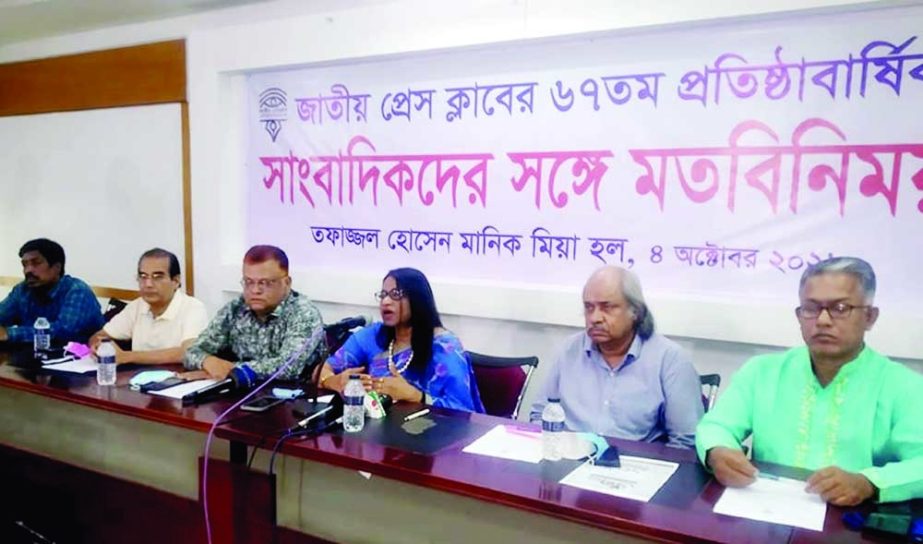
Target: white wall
x,y
224,45
77,177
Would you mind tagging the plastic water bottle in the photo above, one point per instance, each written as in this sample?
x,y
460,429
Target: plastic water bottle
x,y
41,339
105,372
353,405
552,430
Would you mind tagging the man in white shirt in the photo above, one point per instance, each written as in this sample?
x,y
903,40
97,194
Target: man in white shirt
x,y
163,322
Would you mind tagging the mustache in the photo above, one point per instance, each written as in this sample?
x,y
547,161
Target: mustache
x,y
31,277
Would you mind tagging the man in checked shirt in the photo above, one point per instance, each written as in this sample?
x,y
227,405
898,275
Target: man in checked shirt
x,y
66,302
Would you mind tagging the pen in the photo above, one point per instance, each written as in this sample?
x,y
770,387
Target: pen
x,y
766,476
415,415
304,422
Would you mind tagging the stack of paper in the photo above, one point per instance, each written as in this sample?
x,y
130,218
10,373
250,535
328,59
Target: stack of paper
x,y
80,366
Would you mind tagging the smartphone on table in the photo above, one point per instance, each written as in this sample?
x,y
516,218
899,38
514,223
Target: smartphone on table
x,y
162,384
261,404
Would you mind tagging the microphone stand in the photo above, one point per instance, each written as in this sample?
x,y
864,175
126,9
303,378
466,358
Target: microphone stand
x,y
312,340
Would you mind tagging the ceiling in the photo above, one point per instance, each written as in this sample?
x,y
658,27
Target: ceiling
x,y
22,20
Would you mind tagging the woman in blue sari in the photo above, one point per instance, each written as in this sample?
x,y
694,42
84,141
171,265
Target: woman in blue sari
x,y
408,355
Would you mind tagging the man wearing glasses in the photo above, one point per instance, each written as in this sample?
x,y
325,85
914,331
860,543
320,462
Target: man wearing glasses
x,y
833,406
619,377
163,321
257,332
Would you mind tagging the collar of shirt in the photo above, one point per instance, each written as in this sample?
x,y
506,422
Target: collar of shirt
x,y
634,351
845,371
172,308
49,295
275,314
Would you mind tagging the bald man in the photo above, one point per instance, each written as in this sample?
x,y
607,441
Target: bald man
x,y
617,378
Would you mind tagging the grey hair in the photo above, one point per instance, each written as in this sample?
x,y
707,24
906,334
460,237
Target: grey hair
x,y
631,289
854,266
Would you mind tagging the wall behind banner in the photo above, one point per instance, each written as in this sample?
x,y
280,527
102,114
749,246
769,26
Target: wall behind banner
x,y
224,46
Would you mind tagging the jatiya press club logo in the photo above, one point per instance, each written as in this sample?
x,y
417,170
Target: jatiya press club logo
x,y
273,110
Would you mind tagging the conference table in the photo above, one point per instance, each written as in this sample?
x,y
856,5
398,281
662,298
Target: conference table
x,y
392,482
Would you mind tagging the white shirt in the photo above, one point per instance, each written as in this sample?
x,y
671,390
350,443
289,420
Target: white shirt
x,y
184,319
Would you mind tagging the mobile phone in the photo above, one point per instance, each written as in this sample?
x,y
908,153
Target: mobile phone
x,y
261,404
895,524
162,384
609,458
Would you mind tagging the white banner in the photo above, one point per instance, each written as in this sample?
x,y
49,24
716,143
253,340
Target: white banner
x,y
716,165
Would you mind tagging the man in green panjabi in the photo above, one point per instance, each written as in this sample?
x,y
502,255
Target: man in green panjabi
x,y
833,406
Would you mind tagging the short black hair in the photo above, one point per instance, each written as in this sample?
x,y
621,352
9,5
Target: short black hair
x,y
49,249
159,253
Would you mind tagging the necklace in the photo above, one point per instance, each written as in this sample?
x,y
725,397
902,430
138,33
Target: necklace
x,y
391,359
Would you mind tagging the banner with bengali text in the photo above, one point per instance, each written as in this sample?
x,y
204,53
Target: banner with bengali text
x,y
716,161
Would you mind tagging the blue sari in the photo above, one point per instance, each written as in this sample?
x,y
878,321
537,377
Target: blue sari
x,y
447,378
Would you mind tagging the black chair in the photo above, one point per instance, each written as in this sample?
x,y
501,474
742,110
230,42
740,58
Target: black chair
x,y
113,308
502,381
334,338
710,384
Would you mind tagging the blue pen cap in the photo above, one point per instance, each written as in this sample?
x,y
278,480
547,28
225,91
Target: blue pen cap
x,y
916,530
854,520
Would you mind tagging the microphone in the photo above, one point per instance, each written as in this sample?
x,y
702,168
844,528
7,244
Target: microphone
x,y
335,335
346,324
241,378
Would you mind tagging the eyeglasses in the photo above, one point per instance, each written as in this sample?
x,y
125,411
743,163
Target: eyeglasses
x,y
837,310
395,294
263,284
156,277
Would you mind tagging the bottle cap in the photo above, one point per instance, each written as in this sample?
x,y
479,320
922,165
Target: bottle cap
x,y
554,399
353,376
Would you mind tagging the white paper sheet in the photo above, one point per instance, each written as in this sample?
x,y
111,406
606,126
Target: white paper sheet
x,y
781,500
178,391
508,442
80,366
638,478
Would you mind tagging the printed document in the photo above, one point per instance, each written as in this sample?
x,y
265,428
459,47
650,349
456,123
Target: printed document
x,y
776,500
639,478
509,442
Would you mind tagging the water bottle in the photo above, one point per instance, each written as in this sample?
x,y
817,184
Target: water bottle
x,y
353,405
105,371
552,430
41,340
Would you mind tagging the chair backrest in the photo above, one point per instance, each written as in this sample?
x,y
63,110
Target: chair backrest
x,y
334,338
501,381
113,308
710,384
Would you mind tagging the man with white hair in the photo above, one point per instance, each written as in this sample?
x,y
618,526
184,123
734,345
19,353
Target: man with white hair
x,y
833,406
618,378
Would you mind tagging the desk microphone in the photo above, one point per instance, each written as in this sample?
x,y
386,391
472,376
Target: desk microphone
x,y
346,324
241,378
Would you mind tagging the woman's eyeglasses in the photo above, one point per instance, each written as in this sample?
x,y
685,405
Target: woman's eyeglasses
x,y
395,294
